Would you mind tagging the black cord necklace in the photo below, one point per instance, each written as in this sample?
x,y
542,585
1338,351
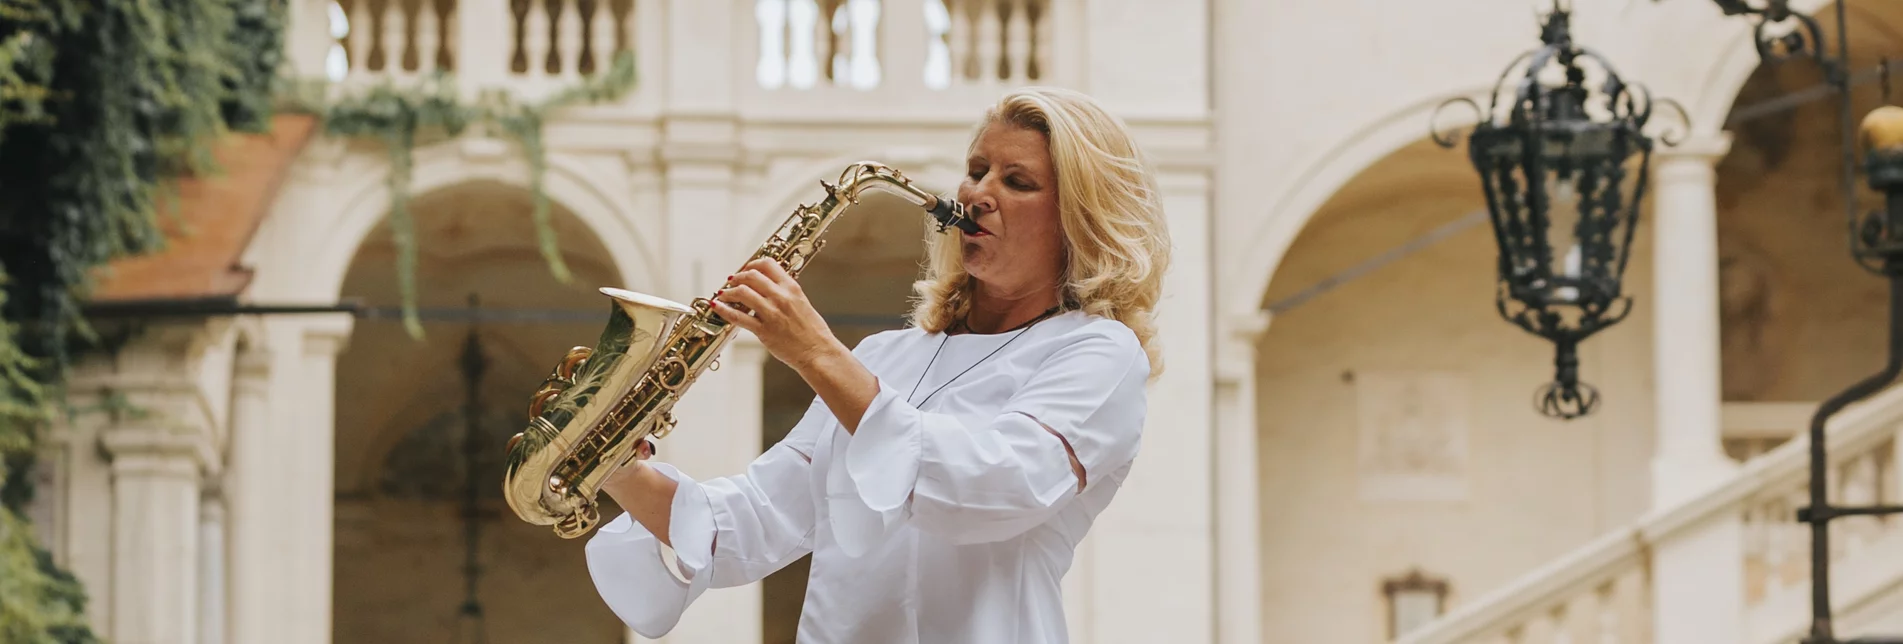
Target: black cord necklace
x,y
1021,329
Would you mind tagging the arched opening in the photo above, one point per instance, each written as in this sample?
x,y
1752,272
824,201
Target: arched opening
x,y
861,282
1396,426
1800,319
401,538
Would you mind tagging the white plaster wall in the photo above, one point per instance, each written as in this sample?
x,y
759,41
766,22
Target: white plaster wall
x,y
1534,488
1309,93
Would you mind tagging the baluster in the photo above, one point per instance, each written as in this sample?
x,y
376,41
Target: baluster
x,y
1540,629
1580,623
770,16
1633,607
1756,545
363,35
1018,41
390,37
802,64
865,68
940,59
960,41
568,38
990,40
621,19
535,40
1796,536
1605,613
428,33
1893,493
1859,489
600,35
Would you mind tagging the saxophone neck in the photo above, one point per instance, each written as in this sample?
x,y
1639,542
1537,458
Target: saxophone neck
x,y
866,174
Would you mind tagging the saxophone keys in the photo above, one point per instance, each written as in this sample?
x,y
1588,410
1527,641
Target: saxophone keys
x,y
664,427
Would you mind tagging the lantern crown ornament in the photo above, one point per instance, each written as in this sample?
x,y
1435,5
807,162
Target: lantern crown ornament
x,y
1563,156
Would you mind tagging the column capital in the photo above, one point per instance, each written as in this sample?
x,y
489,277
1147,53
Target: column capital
x,y
1706,148
327,333
251,367
1235,345
155,451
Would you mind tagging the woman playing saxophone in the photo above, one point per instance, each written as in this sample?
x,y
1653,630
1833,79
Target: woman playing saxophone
x,y
945,473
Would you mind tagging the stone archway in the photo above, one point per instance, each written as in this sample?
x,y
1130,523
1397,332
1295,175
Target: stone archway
x,y
400,537
1801,320
1394,415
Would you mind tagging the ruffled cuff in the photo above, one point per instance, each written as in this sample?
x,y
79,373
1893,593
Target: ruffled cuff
x,y
691,523
873,472
632,571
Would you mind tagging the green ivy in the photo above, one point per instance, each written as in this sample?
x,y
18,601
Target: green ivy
x,y
104,105
432,109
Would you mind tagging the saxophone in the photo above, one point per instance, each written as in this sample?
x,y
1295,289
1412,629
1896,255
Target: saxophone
x,y
597,404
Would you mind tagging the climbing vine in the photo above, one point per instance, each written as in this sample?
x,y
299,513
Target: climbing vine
x,y
104,105
400,118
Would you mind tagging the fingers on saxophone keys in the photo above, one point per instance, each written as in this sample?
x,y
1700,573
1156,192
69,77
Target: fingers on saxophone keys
x,y
759,281
735,316
746,298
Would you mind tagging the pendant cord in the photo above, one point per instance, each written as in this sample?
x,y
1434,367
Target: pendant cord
x,y
1024,328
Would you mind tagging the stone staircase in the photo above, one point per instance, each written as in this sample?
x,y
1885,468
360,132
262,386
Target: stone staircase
x,y
1739,542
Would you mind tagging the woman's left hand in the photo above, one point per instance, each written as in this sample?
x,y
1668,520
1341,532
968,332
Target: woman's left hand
x,y
776,310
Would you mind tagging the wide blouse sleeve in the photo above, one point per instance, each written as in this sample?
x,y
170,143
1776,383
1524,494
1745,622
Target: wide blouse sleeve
x,y
725,532
993,480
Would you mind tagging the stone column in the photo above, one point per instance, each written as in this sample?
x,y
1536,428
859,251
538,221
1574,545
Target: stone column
x,y
211,568
303,400
719,430
155,479
718,435
1152,564
1698,584
1689,457
252,498
1238,511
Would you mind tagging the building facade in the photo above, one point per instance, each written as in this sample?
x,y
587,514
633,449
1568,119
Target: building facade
x,y
1339,450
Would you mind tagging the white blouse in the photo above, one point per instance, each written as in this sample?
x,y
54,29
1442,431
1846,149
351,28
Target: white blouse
x,y
950,516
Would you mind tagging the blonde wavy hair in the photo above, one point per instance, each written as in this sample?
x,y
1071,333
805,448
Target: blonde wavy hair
x,y
1116,242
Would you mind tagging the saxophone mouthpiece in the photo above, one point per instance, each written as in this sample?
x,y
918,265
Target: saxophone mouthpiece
x,y
950,213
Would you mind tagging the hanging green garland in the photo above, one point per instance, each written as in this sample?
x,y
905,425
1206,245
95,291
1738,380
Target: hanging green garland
x,y
104,105
432,109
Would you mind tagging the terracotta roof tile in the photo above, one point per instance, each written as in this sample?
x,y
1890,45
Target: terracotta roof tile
x,y
214,220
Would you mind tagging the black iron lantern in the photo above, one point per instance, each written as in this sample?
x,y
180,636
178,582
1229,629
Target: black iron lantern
x,y
1562,159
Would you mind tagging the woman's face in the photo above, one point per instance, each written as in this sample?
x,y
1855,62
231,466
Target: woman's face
x,y
1010,190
